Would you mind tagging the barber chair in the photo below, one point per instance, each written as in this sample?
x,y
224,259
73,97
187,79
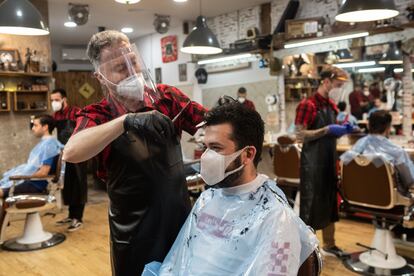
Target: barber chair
x,y
195,183
286,164
371,189
312,266
34,237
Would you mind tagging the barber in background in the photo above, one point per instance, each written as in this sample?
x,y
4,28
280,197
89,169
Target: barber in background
x,y
317,129
242,98
75,190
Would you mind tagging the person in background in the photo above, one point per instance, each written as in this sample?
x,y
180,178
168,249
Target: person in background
x,y
242,98
358,102
244,217
374,90
316,127
75,190
377,106
136,131
377,142
344,117
40,162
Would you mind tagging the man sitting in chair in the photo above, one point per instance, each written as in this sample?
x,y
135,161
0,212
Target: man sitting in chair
x,y
243,224
39,163
377,142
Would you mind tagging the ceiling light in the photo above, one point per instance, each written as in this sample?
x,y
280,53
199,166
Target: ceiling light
x,y
400,70
225,58
366,10
355,64
127,1
201,40
324,40
180,1
70,24
127,30
20,17
371,70
344,55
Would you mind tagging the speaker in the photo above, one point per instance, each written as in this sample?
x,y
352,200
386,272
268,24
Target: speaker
x,y
101,29
186,28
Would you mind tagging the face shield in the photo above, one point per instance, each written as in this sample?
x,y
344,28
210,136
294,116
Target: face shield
x,y
126,79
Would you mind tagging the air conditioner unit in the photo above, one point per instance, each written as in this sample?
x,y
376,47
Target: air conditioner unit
x,y
71,54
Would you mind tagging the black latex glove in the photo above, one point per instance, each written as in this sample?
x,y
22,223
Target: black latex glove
x,y
153,123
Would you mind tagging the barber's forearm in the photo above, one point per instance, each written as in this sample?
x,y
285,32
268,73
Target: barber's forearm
x,y
304,135
91,141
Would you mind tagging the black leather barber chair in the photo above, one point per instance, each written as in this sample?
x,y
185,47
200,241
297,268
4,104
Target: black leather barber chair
x,y
371,189
195,183
34,237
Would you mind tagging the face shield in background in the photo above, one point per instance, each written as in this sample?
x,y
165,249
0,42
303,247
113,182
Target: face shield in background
x,y
126,79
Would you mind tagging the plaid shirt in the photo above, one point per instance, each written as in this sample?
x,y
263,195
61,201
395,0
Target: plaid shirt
x,y
308,108
69,113
172,101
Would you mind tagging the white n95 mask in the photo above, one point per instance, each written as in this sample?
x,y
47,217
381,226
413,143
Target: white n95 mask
x,y
131,87
56,106
214,165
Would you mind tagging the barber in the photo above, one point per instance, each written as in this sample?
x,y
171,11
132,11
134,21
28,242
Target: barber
x,y
132,131
317,129
75,190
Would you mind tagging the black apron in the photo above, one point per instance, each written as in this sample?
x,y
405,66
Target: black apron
x,y
148,201
318,177
75,190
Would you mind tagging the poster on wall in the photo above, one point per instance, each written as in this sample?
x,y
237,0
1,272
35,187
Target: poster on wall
x,y
182,72
169,48
158,76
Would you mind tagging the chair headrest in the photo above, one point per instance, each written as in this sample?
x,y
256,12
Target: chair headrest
x,y
285,140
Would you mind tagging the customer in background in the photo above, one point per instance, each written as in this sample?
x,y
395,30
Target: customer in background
x,y
359,102
133,132
377,142
316,127
377,106
75,190
344,117
244,217
242,98
40,162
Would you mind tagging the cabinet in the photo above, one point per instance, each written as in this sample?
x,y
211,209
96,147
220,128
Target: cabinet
x,y
298,88
24,91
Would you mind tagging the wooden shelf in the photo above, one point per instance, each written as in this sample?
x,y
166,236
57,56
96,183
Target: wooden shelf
x,y
30,91
34,109
5,96
23,74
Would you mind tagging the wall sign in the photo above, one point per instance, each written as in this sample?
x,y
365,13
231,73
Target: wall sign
x,y
169,48
86,90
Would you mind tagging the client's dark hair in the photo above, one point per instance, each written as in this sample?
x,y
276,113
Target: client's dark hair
x,y
342,106
247,125
61,91
379,121
48,120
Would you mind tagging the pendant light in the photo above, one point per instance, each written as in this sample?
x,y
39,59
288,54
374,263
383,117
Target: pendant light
x,y
20,17
392,56
201,40
127,1
366,10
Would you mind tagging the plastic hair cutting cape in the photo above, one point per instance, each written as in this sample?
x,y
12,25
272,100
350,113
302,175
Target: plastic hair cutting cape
x,y
47,148
374,145
243,232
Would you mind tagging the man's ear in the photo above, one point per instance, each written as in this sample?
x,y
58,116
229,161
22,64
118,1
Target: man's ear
x,y
251,153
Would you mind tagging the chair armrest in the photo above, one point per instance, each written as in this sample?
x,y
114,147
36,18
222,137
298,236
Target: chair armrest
x,y
29,177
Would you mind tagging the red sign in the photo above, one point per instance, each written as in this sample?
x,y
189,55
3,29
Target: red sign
x,y
169,48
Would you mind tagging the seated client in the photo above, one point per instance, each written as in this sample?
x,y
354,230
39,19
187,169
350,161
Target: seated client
x,y
243,224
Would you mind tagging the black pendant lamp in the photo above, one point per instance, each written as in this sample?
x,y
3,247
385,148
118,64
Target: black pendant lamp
x,y
201,40
393,56
366,10
20,17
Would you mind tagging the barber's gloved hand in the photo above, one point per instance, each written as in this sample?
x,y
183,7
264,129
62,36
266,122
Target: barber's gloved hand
x,y
152,123
339,130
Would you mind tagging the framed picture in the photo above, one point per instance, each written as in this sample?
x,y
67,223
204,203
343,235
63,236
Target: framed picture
x,y
182,72
169,48
158,76
8,59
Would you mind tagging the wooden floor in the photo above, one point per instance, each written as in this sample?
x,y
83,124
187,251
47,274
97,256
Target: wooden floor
x,y
86,251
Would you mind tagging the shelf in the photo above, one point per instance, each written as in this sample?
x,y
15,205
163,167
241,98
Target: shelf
x,y
23,74
30,91
34,109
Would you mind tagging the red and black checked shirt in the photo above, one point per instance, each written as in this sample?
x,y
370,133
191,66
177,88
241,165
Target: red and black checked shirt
x,y
172,101
69,113
308,108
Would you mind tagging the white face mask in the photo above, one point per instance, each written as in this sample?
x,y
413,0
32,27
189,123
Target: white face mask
x,y
366,93
56,106
241,99
214,165
131,88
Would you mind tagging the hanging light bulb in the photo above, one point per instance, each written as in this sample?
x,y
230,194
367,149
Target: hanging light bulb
x,y
201,40
366,10
20,17
127,1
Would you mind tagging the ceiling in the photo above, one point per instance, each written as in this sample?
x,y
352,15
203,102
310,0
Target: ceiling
x,y
140,16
